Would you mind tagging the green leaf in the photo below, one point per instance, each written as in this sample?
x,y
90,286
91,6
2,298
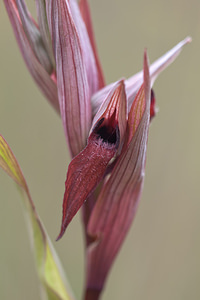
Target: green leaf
x,y
49,268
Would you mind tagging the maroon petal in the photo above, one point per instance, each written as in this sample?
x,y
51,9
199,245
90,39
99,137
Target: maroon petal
x,y
118,200
85,12
40,75
84,173
88,167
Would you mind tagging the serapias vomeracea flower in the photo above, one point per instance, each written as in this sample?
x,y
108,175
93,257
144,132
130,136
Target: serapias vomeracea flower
x,y
106,127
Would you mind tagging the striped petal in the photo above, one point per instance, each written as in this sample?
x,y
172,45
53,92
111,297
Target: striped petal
x,y
72,80
46,83
87,169
34,36
88,55
44,28
118,199
85,12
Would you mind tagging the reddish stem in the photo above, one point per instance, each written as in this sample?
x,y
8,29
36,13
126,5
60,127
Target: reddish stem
x,y
92,294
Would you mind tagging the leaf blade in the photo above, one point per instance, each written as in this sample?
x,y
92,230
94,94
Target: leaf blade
x,y
49,270
9,163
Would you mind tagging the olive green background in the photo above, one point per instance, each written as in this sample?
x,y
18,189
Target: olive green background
x,y
160,258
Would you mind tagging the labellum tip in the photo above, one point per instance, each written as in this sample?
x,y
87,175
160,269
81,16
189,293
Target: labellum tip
x,y
87,169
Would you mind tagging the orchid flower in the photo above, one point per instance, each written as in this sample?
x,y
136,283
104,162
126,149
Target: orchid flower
x,y
106,126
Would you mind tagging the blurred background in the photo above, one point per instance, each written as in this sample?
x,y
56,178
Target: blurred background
x,y
160,257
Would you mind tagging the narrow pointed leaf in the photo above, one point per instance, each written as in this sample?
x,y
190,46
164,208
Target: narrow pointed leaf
x,y
118,200
42,78
49,268
88,167
134,82
73,89
85,12
9,164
